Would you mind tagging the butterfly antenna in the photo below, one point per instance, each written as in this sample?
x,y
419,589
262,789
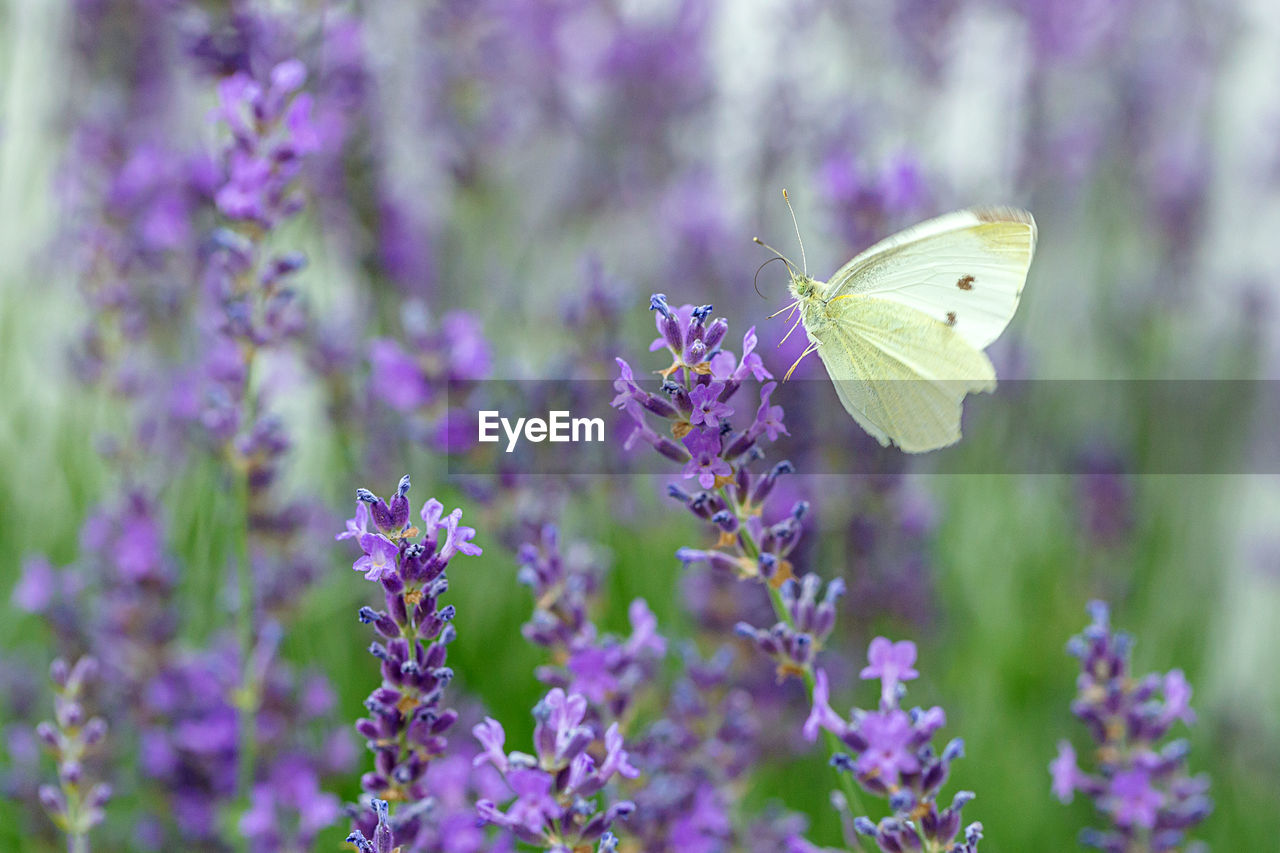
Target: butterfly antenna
x,y
791,266
803,260
755,282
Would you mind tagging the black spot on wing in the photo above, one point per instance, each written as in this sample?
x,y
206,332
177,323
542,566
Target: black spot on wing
x,y
965,282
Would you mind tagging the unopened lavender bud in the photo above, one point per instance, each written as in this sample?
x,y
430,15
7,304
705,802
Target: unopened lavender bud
x,y
71,773
768,565
902,801
392,582
94,731
658,302
99,795
766,483
620,811
726,521
69,715
381,515
580,740
680,396
399,508
659,406
59,671
715,332
52,800
668,325
444,721
48,735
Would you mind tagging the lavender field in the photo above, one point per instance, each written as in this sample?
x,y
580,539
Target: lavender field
x,y
262,265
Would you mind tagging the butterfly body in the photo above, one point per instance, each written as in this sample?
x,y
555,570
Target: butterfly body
x,y
902,326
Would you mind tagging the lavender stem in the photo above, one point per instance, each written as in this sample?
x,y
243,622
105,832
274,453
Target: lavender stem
x,y
780,610
246,701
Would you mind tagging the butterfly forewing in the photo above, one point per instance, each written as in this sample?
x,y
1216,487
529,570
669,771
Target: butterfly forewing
x,y
900,374
965,269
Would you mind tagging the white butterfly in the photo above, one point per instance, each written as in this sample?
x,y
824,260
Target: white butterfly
x,y
902,326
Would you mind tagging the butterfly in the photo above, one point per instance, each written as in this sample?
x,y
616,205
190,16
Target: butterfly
x,y
902,327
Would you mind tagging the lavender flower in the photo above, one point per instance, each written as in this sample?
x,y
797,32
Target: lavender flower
x,y
1105,499
288,810
693,755
407,724
1140,785
383,840
735,488
794,642
439,364
892,756
273,129
607,670
716,453
695,758
553,799
76,804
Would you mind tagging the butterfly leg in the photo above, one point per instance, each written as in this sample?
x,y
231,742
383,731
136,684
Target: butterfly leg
x,y
810,348
792,307
788,334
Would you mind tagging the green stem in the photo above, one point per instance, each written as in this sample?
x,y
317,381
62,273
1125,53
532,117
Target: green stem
x,y
246,700
834,745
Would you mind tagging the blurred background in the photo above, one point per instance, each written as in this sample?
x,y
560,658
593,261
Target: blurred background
x,y
494,188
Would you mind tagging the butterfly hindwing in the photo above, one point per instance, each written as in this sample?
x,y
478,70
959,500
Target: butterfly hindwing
x,y
900,374
965,269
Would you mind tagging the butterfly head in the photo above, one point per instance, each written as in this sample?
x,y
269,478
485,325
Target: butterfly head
x,y
802,286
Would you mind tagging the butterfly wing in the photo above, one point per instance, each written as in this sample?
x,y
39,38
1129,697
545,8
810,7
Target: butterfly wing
x,y
965,269
902,375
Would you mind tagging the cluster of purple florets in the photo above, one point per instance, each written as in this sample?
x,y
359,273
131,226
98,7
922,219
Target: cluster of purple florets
x,y
793,643
718,452
605,669
407,721
550,796
891,755
1138,783
555,790
76,803
695,395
